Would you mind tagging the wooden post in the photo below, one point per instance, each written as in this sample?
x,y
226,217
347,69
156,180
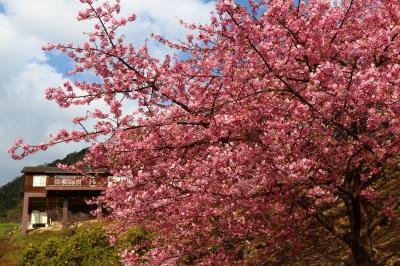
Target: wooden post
x,y
65,211
47,212
25,208
25,214
99,211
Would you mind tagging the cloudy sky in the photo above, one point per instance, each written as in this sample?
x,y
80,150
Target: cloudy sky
x,y
26,71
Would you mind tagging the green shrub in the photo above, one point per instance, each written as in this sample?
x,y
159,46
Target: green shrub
x,y
136,238
29,255
87,247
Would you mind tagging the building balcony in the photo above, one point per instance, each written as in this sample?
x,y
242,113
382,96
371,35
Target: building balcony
x,y
68,182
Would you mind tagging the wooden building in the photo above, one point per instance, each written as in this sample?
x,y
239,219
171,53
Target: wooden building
x,y
53,194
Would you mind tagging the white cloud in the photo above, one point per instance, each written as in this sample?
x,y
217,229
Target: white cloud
x,y
24,113
25,71
48,20
160,16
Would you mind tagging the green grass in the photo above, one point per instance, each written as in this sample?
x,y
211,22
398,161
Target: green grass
x,y
8,226
7,231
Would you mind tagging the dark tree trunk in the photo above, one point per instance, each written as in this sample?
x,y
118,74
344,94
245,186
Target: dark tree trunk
x,y
361,254
362,257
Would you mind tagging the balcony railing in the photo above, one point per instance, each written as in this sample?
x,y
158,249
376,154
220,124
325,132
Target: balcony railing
x,y
69,181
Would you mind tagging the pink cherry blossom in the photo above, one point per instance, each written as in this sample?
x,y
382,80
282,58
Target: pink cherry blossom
x,y
264,119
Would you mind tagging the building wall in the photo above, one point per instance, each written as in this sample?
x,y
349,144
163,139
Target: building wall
x,y
28,185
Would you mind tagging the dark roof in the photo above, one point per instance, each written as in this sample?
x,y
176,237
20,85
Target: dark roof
x,y
55,170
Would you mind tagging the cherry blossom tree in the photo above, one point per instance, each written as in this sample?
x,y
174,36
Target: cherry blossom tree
x,y
265,119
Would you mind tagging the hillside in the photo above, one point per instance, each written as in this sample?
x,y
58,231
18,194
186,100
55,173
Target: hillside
x,y
11,194
70,158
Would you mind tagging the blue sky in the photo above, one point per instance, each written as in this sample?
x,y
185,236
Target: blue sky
x,y
59,61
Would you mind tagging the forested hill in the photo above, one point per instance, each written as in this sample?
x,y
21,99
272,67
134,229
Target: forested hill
x,y
11,194
70,158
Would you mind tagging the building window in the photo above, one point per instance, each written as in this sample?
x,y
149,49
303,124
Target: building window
x,y
39,180
336,3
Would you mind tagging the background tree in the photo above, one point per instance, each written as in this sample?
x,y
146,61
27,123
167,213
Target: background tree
x,y
265,119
